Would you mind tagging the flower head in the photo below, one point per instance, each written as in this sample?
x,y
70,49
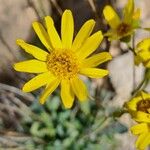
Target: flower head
x,y
143,53
121,28
139,107
65,60
143,131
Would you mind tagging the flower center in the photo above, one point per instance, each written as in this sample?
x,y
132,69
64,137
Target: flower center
x,y
144,105
63,64
123,28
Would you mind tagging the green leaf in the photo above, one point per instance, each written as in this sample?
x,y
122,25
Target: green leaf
x,y
85,107
126,39
147,29
53,103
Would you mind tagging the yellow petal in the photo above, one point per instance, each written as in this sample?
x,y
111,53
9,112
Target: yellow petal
x,y
132,104
79,88
140,128
90,45
97,59
31,66
144,55
42,34
145,96
142,51
94,72
111,17
140,116
48,91
147,64
143,141
38,81
112,35
137,14
53,35
128,11
143,46
83,34
33,50
67,94
67,29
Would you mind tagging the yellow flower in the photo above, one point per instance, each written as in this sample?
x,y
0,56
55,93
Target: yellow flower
x,y
142,51
65,60
143,132
139,107
121,28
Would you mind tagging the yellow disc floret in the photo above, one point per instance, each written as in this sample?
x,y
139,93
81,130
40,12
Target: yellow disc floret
x,y
123,29
63,64
144,105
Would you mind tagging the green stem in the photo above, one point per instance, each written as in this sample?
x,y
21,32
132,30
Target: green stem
x,y
142,84
139,86
133,50
102,125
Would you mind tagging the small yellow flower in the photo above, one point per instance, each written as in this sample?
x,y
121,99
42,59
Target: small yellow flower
x,y
139,107
142,51
121,28
142,130
65,60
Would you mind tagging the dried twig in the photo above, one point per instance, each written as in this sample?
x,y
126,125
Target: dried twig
x,y
31,4
58,8
11,52
17,91
92,4
94,8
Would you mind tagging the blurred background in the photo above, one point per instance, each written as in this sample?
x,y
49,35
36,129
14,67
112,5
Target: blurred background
x,y
98,124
